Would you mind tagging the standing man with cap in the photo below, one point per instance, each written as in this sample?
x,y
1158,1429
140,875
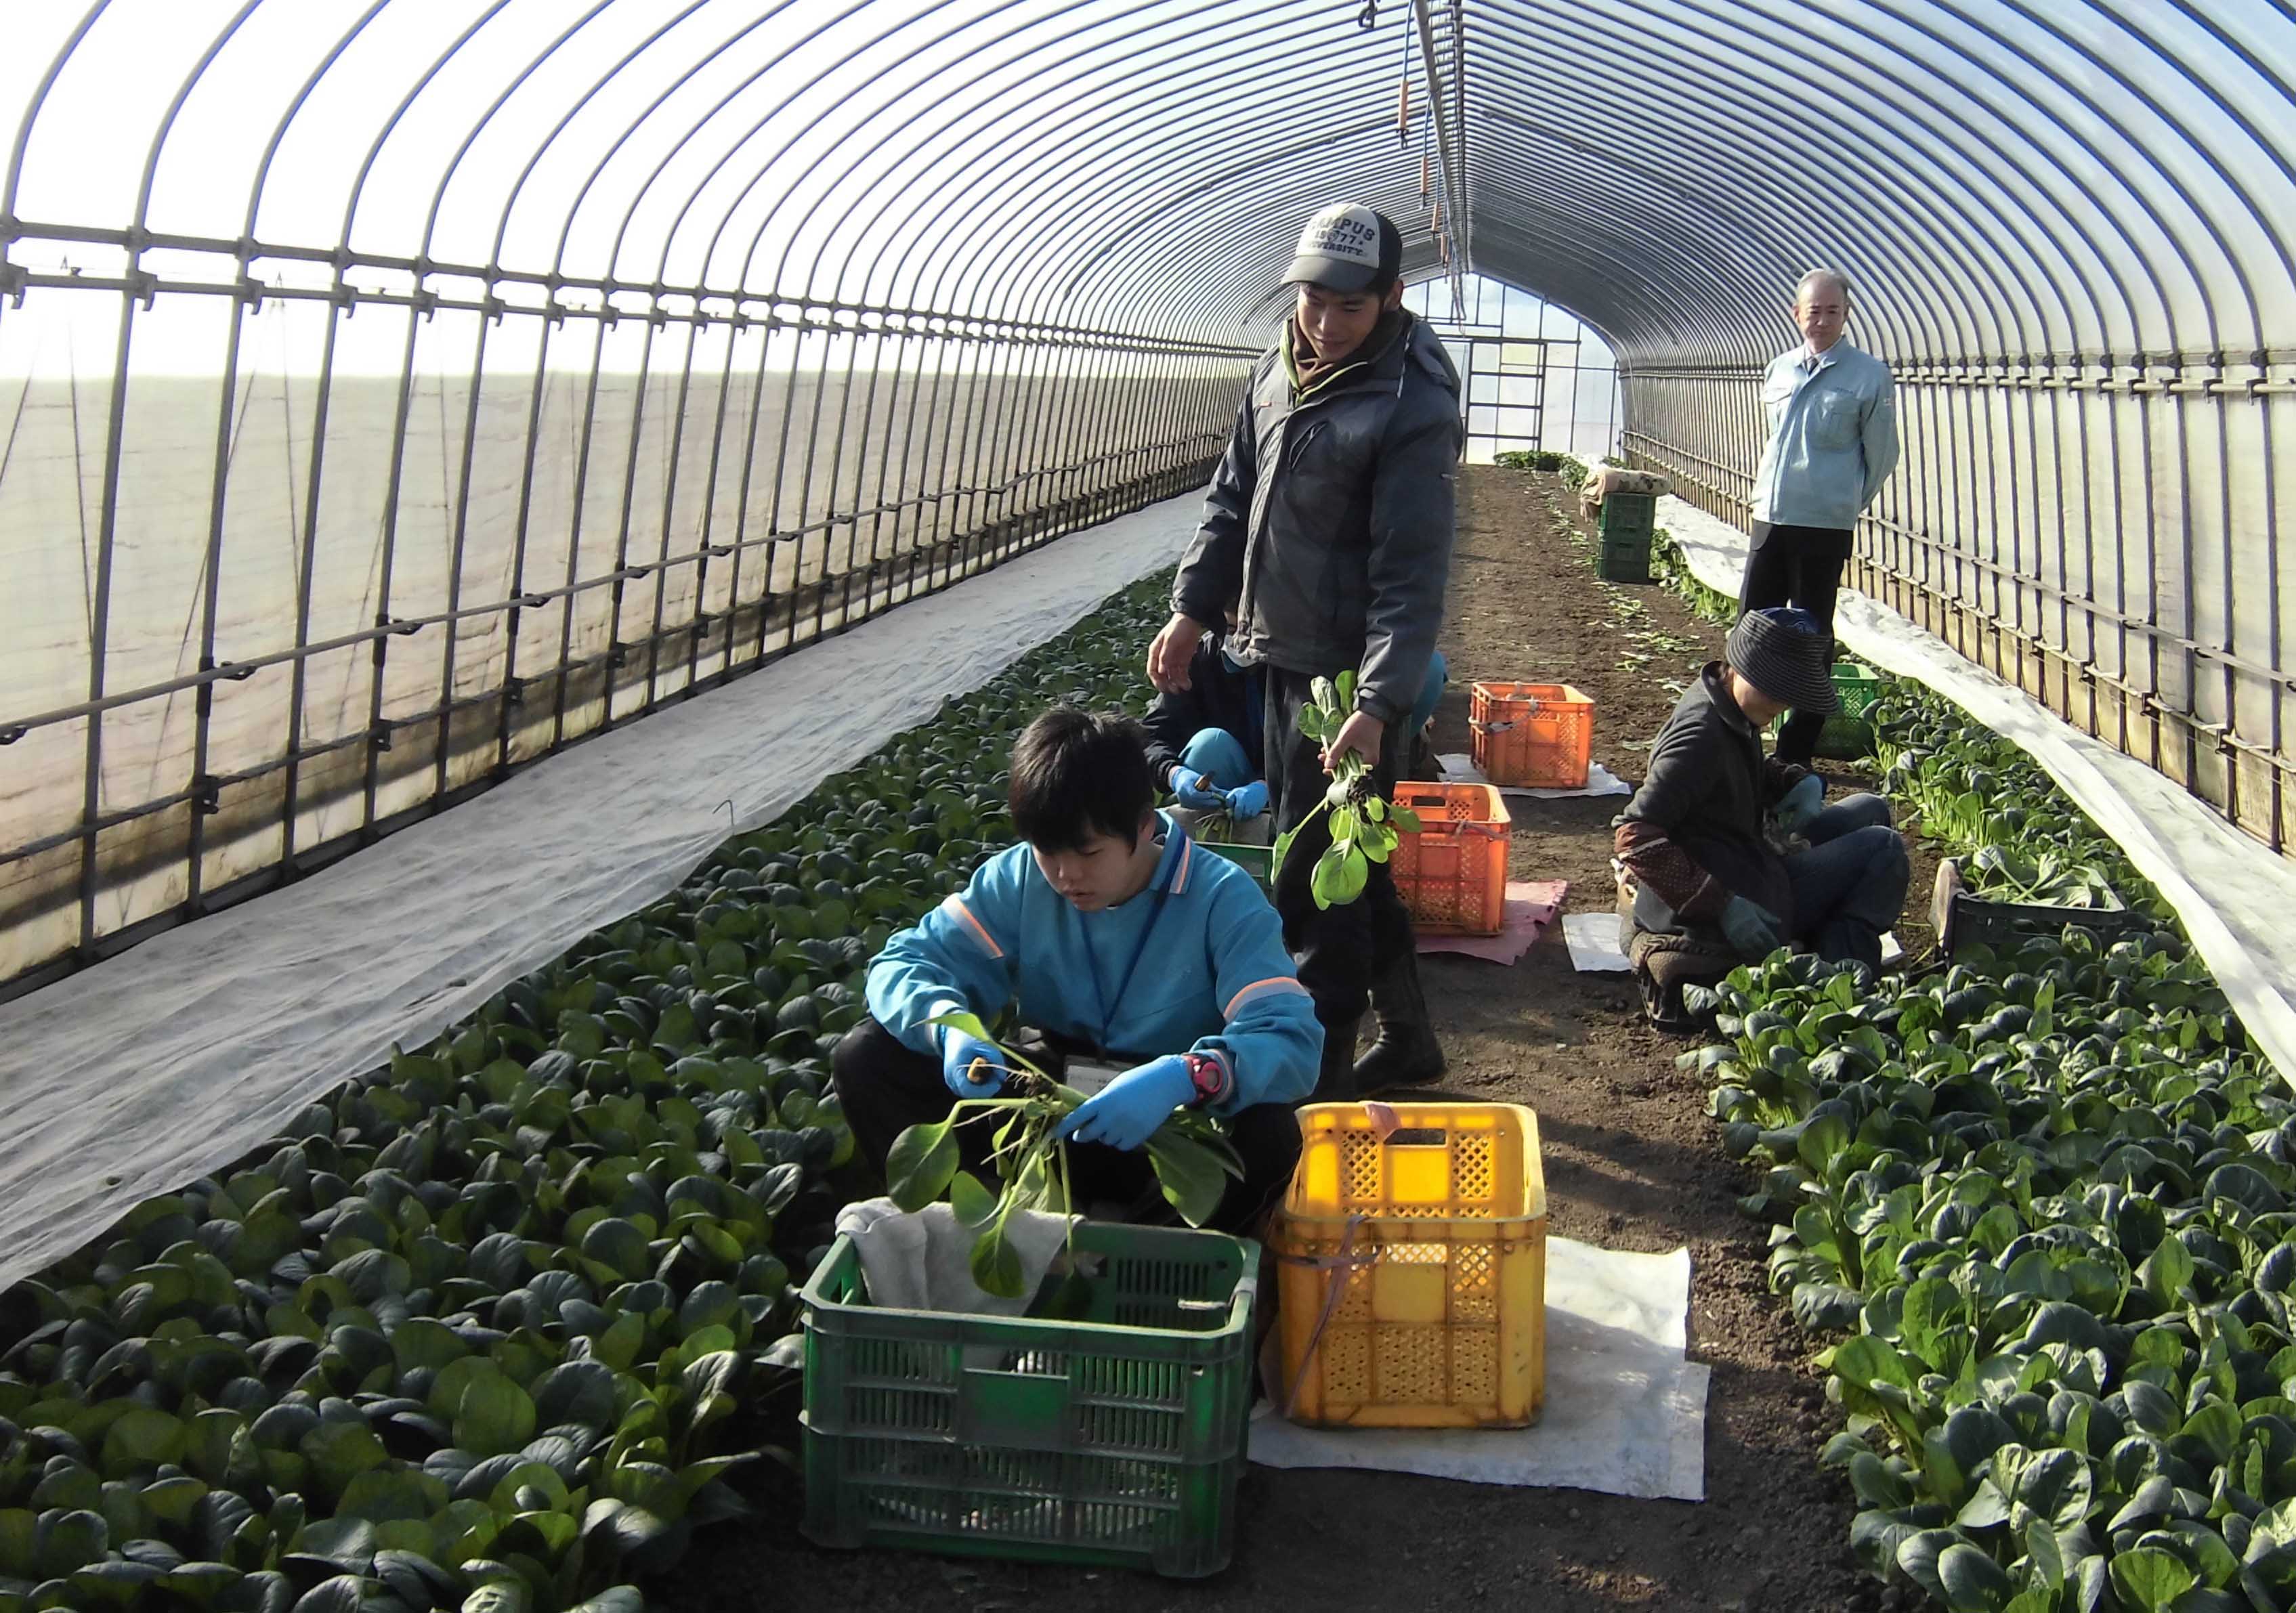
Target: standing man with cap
x,y
1329,523
1735,849
1832,443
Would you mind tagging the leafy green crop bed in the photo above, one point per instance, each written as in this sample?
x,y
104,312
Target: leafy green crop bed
x,y
2051,1200
1673,572
473,1331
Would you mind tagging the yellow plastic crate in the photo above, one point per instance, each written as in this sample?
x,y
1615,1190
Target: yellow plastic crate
x,y
1412,1274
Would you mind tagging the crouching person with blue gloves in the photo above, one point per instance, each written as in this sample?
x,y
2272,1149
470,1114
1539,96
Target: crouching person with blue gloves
x,y
1738,852
1121,943
1206,737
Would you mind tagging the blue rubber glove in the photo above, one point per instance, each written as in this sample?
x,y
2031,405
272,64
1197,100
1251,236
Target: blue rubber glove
x,y
958,1054
1753,929
1189,789
1247,801
1799,807
1126,1112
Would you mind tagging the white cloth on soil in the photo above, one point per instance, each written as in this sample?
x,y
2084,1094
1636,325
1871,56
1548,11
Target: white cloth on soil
x,y
1460,769
1593,938
135,1077
922,1261
1625,1411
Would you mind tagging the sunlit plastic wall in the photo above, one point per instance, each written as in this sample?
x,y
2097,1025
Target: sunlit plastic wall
x,y
391,393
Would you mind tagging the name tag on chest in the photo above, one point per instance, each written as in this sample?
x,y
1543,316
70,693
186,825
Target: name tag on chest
x,y
1088,1076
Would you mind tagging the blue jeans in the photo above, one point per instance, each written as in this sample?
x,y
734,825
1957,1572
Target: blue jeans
x,y
1850,886
1218,756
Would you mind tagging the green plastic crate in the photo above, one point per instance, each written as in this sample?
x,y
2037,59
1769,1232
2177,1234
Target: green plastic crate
x,y
1114,1440
1626,521
1847,735
1857,687
1624,559
1257,861
1628,517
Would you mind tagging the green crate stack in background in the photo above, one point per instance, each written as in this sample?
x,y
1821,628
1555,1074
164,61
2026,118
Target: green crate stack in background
x,y
1628,519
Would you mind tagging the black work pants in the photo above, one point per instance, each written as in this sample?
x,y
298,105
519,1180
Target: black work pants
x,y
1338,951
887,1088
1798,566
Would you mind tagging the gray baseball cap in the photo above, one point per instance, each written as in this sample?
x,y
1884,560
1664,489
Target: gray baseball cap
x,y
1347,247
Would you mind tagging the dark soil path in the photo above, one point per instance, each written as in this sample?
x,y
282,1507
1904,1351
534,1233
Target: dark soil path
x,y
1632,1163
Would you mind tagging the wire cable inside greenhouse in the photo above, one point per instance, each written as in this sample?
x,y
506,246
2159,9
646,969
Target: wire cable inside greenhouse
x,y
989,801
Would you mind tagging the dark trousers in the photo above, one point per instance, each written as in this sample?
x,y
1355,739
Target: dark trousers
x,y
1799,566
886,1089
1338,951
1849,886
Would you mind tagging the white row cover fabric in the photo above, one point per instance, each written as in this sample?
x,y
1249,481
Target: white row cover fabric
x,y
2233,894
1625,1411
132,1078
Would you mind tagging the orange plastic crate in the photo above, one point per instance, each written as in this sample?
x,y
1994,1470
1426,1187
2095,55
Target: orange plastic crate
x,y
1453,873
1537,736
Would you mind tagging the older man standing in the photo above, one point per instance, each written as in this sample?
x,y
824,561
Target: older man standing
x,y
1834,442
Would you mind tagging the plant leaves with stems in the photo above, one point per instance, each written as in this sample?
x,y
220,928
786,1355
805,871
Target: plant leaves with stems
x,y
972,1202
1340,874
1190,1174
1973,1583
996,1263
921,1164
2149,1580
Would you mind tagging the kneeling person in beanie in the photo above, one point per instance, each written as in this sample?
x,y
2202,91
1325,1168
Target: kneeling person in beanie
x,y
1710,838
1120,942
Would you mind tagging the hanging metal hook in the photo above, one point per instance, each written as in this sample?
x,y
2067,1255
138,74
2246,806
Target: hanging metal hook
x,y
1369,16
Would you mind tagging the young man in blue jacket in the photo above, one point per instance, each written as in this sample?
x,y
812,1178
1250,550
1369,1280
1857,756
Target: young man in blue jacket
x,y
1122,943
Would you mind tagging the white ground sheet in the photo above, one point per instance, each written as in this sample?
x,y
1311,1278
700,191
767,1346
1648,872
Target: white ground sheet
x,y
132,1078
1625,1413
1461,769
2233,894
1593,938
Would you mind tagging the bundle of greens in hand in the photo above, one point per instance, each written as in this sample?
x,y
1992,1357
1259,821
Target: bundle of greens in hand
x,y
1190,1153
1365,827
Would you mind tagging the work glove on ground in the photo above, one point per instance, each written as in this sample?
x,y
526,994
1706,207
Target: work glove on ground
x,y
960,1054
1126,1112
1190,790
1247,801
1751,928
1799,807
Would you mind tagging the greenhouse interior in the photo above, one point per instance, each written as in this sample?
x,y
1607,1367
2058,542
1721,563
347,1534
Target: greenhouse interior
x,y
593,587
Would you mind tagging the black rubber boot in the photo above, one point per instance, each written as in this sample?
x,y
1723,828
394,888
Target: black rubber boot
x,y
1406,1052
1335,1082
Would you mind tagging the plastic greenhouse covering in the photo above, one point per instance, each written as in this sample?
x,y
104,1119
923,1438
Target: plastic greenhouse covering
x,y
392,394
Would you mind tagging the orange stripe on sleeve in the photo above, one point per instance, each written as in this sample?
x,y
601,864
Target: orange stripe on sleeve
x,y
1272,983
955,905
